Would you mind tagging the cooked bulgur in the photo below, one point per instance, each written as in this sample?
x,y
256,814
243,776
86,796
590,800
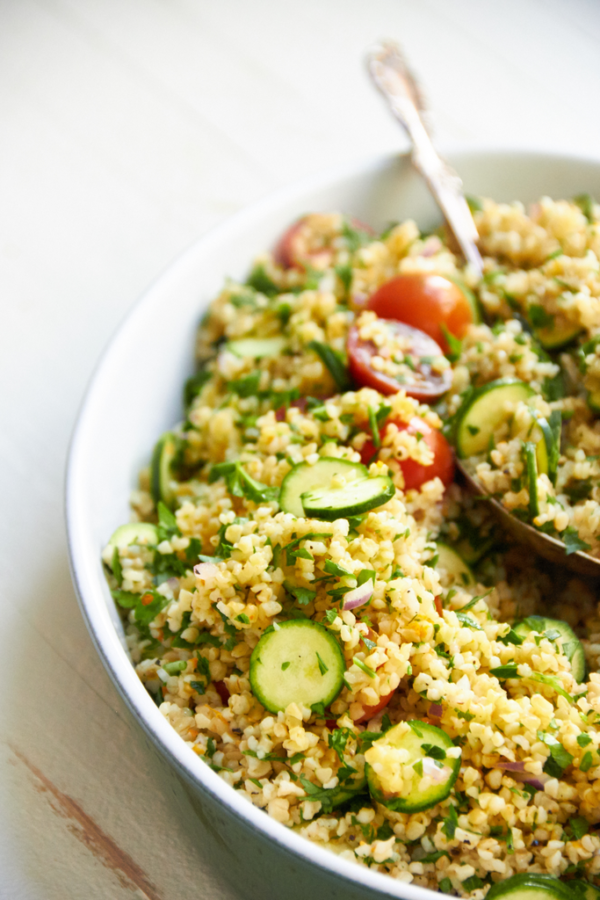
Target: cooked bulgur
x,y
221,564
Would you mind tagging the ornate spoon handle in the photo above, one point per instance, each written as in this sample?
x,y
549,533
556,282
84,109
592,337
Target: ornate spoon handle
x,y
392,76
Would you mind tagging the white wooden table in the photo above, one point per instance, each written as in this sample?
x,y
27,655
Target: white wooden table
x,y
128,128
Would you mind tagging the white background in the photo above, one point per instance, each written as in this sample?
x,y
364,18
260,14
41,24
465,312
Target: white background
x,y
127,129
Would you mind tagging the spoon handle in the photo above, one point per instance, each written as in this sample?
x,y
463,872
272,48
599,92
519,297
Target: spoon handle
x,y
392,76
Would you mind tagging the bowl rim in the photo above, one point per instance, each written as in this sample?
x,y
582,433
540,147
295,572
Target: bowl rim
x,y
102,631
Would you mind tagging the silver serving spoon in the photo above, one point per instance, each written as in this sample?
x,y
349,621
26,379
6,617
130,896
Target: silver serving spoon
x,y
390,73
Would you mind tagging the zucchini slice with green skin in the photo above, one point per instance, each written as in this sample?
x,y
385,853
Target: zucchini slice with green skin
x,y
530,459
305,477
425,749
593,401
330,503
583,890
571,645
298,662
555,338
470,296
257,348
530,887
547,450
484,411
160,469
143,533
452,563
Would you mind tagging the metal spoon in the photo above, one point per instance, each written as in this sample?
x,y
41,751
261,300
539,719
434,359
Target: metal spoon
x,y
390,73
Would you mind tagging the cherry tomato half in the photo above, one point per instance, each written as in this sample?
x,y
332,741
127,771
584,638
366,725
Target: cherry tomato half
x,y
424,384
370,711
414,473
298,248
424,301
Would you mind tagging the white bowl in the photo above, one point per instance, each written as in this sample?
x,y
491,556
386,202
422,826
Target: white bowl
x,y
135,394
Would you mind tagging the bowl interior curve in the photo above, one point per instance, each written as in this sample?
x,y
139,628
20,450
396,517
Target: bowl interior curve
x,y
135,394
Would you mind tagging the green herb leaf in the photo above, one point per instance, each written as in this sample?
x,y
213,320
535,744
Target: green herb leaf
x,y
579,826
333,363
338,739
450,823
468,621
260,281
553,682
572,541
167,523
193,386
586,762
363,666
323,669
246,386
559,758
303,595
433,751
374,426
509,671
454,345
117,568
585,202
584,740
511,638
285,665
333,569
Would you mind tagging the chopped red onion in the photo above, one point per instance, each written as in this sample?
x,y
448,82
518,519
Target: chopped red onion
x,y
435,711
536,781
173,583
511,766
358,596
519,773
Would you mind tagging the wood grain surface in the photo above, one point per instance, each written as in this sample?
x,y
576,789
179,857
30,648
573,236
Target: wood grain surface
x,y
128,128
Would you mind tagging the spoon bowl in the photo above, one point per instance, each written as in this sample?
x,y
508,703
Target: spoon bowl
x,y
545,545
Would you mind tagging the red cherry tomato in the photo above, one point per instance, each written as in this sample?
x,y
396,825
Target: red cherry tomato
x,y
295,250
438,606
414,473
424,301
370,711
424,384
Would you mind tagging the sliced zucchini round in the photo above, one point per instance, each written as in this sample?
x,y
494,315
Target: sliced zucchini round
x,y
420,741
351,500
593,401
305,477
555,337
584,890
453,566
298,662
485,410
351,788
143,533
257,348
571,645
163,455
546,445
470,295
530,887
